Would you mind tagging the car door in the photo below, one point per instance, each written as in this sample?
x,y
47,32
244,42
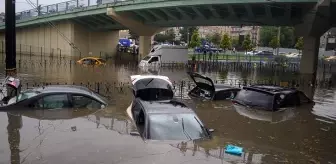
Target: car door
x,y
80,101
52,101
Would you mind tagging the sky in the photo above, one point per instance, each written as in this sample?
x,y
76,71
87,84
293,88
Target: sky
x,y
22,5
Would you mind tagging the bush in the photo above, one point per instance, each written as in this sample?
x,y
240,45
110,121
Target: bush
x,y
281,60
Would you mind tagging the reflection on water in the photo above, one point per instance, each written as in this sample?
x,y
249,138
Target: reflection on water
x,y
300,135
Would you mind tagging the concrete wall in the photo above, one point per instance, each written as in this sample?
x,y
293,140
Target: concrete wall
x,y
93,43
31,39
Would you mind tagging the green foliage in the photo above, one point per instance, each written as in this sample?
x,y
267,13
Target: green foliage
x,y
235,41
184,34
216,38
247,43
195,40
281,60
168,36
225,42
299,44
287,37
274,43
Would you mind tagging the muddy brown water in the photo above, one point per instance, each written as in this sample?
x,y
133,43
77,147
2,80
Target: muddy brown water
x,y
301,135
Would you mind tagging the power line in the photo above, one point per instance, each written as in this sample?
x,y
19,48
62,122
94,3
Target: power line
x,y
52,25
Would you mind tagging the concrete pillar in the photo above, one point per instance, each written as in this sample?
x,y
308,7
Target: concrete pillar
x,y
144,45
309,59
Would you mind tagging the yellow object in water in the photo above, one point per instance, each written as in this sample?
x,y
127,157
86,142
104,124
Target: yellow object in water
x,y
92,61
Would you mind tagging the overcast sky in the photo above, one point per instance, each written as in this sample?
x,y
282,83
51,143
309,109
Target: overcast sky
x,y
22,5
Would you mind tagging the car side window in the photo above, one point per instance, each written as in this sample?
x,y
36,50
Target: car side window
x,y
56,101
81,101
136,109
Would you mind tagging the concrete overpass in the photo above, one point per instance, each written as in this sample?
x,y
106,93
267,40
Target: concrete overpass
x,y
94,27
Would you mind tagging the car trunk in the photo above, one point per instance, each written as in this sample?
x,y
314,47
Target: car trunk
x,y
203,82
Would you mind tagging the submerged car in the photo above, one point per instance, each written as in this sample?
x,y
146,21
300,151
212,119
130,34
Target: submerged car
x,y
206,89
270,97
92,61
158,116
55,97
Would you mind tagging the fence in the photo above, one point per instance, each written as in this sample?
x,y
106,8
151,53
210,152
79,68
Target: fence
x,y
24,50
181,88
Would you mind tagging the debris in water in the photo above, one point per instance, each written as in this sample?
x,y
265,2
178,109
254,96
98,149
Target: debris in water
x,y
74,128
234,150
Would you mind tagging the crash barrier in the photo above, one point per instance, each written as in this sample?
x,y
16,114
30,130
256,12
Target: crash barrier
x,y
181,88
325,67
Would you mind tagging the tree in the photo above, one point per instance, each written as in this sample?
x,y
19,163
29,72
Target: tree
x,y
287,36
170,35
184,33
235,41
247,43
215,38
225,42
195,40
133,35
160,38
299,44
274,43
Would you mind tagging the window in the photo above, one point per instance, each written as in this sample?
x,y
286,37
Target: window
x,y
175,127
26,95
254,98
53,102
154,59
80,101
146,58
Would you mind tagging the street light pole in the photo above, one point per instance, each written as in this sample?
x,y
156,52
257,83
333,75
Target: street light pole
x,y
10,38
279,31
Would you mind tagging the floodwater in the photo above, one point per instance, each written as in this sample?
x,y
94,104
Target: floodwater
x,y
302,135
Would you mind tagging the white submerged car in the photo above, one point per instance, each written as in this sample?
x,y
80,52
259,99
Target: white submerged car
x,y
158,116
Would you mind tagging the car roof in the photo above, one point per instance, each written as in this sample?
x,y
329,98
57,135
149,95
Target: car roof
x,y
271,89
91,58
221,87
165,107
135,78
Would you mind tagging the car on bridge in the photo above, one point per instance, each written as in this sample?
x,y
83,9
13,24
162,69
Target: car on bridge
x,y
92,61
55,97
206,89
270,98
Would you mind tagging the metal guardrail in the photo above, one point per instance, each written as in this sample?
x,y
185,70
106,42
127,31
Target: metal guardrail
x,y
72,5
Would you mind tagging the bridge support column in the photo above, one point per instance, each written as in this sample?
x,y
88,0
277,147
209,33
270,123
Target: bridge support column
x,y
144,31
315,23
144,45
309,59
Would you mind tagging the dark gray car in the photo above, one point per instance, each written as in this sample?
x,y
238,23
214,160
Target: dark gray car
x,y
55,97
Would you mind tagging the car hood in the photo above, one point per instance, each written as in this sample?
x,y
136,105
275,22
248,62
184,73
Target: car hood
x,y
202,82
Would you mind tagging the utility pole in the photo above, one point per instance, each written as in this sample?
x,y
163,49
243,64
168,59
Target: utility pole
x,y
279,31
10,35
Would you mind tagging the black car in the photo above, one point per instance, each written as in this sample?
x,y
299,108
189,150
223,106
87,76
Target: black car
x,y
55,97
167,120
206,89
270,97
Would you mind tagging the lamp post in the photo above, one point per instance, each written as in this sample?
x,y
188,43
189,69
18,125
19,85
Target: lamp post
x,y
10,38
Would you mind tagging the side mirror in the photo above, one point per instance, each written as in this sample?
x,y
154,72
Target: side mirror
x,y
211,130
134,133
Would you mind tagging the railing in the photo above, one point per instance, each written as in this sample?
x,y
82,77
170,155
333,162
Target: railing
x,y
69,6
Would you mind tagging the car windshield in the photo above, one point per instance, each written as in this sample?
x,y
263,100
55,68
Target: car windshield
x,y
26,95
255,98
146,58
175,127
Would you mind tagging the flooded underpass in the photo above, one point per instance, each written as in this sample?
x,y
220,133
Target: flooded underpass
x,y
301,135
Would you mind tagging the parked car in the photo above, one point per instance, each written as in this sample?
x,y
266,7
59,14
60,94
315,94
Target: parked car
x,y
251,53
158,116
166,120
92,61
264,53
55,97
271,98
206,89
